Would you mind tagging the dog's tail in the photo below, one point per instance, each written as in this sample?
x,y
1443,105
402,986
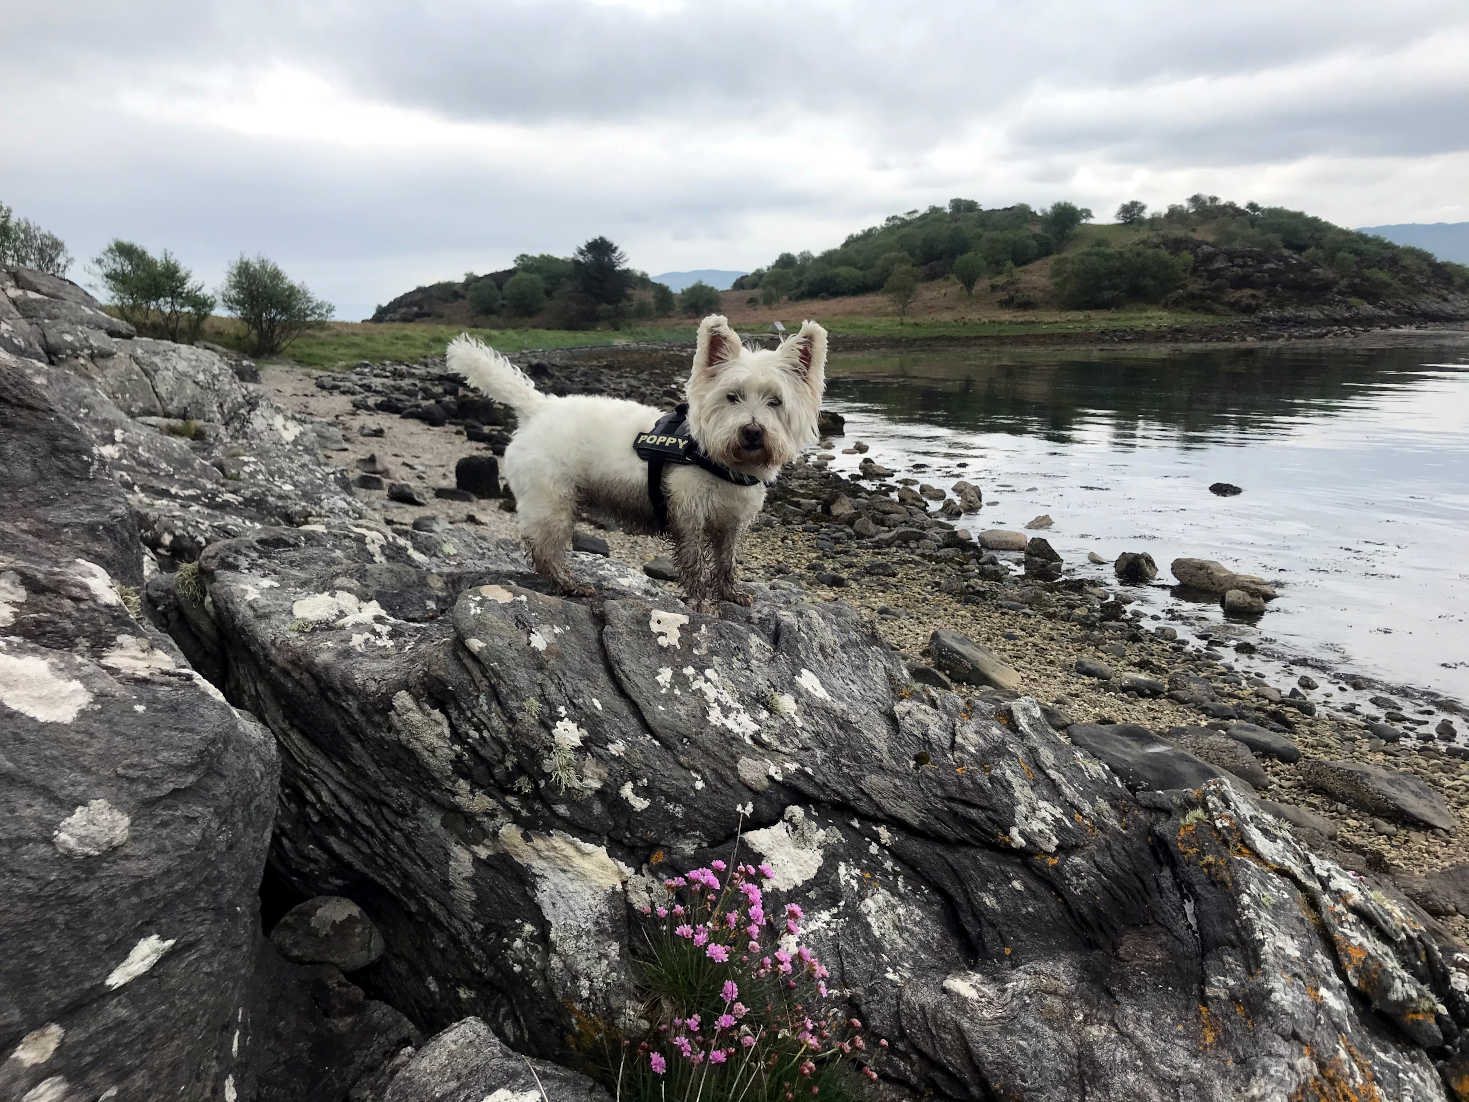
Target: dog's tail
x,y
492,374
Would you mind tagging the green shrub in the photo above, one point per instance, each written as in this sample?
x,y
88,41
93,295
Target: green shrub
x,y
968,269
699,299
732,1005
156,294
902,287
1102,277
524,294
484,297
663,300
274,310
23,244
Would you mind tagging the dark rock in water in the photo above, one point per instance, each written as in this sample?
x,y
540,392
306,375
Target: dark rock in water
x,y
468,1063
1225,489
1142,760
328,930
965,660
1135,567
1307,682
479,474
1446,730
830,424
661,568
591,544
1242,604
1090,667
1371,788
1038,547
1385,731
1265,742
405,493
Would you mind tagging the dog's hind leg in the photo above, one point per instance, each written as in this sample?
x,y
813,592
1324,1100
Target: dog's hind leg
x,y
548,523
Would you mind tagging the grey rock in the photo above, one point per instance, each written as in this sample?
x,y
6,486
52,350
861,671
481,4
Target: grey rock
x,y
998,539
368,482
478,474
1443,892
1139,685
453,493
328,929
1142,760
965,660
927,675
1263,741
405,493
1380,791
1385,731
428,523
831,424
1238,602
1302,817
1224,489
1446,730
468,1063
1208,576
863,526
1090,667
590,544
1038,547
1095,559
1042,521
1135,567
661,568
1214,748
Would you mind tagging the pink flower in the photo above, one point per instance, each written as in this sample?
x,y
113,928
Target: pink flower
x,y
753,946
718,1056
658,1064
794,911
724,1021
752,930
662,912
718,866
748,1041
729,991
717,953
678,909
767,872
731,920
791,927
693,1023
685,931
701,936
682,1044
740,1010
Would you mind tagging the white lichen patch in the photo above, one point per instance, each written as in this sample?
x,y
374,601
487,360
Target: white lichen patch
x,y
567,734
809,681
341,608
724,710
374,540
960,983
131,654
92,829
666,626
537,641
230,1094
98,581
637,802
497,593
31,687
286,428
12,595
505,1094
148,952
793,848
425,731
38,1046
664,677
55,1089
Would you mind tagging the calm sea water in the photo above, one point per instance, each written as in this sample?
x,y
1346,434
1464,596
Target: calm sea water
x,y
1354,464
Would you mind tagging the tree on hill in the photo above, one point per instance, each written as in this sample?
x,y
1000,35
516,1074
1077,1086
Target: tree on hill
x,y
1105,277
552,270
699,299
156,295
663,301
902,287
968,269
600,272
23,244
274,310
1061,220
1132,212
484,296
524,293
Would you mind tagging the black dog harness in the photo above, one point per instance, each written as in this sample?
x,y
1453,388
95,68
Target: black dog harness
x,y
670,441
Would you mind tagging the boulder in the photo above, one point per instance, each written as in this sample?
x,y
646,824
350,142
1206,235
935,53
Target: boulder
x,y
1261,741
1224,489
998,539
1142,760
1380,791
965,660
1208,576
1241,603
479,475
831,424
1135,567
1042,521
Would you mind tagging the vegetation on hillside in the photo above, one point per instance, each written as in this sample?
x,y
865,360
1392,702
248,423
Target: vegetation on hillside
x,y
595,286
23,244
157,295
273,309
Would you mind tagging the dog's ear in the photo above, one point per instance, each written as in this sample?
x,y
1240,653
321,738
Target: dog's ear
x,y
805,355
718,344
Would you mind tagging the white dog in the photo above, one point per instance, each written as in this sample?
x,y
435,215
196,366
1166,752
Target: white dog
x,y
699,479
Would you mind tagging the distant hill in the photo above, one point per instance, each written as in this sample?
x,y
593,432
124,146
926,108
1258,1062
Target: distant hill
x,y
1445,240
715,277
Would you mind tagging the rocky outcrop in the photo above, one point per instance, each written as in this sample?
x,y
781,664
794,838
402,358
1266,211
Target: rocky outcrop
x,y
135,803
512,772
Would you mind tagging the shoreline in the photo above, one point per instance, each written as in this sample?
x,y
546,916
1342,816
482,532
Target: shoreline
x,y
924,579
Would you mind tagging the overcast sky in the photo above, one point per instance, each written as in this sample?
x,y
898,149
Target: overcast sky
x,y
370,146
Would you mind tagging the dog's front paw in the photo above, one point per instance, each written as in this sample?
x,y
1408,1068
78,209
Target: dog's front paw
x,y
577,589
742,597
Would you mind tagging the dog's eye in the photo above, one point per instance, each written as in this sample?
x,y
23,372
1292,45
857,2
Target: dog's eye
x,y
774,403
732,397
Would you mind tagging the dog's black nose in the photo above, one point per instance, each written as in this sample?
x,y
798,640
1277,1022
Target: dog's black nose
x,y
751,437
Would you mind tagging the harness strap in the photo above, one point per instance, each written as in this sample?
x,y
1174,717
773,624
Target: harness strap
x,y
670,441
656,497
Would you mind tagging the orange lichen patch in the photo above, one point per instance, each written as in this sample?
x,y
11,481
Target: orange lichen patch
x,y
1336,1081
960,768
1208,1027
1459,1084
1029,775
657,858
1313,993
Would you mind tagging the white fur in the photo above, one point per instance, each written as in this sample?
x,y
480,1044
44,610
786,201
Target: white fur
x,y
576,452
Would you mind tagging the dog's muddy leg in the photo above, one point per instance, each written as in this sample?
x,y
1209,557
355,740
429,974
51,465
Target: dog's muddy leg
x,y
722,543
548,530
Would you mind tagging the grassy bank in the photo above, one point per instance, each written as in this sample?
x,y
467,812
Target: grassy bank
x,y
342,344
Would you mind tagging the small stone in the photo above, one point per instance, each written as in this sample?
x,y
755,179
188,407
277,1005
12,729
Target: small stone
x,y
427,523
1042,521
998,539
1139,686
406,494
831,424
1135,567
965,660
1090,667
1225,489
1095,559
371,430
661,568
1445,730
592,545
452,493
479,475
1039,548
1307,682
368,482
1237,602
328,930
